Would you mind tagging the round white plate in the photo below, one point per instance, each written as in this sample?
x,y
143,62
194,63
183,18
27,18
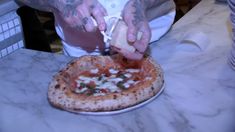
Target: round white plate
x,y
125,109
232,66
232,57
232,61
233,53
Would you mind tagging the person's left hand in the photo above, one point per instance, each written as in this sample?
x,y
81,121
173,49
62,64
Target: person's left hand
x,y
78,14
134,17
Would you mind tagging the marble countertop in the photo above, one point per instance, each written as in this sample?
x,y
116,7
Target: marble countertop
x,y
199,95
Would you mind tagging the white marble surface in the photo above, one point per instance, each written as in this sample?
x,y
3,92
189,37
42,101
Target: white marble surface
x,y
199,94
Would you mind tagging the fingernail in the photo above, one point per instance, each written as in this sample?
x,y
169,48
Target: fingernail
x,y
131,37
101,27
89,28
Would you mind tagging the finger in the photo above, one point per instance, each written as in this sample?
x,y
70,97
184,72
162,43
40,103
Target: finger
x,y
115,48
131,30
140,47
80,28
86,20
73,21
98,13
102,9
100,20
143,39
133,56
131,33
88,24
146,33
76,24
142,44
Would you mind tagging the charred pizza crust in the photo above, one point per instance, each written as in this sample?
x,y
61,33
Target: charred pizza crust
x,y
61,96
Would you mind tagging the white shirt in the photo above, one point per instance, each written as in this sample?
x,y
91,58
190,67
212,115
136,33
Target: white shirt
x,y
158,26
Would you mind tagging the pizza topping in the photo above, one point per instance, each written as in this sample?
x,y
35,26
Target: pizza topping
x,y
148,78
133,70
99,94
122,76
110,86
112,80
115,80
100,78
113,71
112,76
120,85
128,75
85,79
82,90
81,85
91,85
128,83
94,71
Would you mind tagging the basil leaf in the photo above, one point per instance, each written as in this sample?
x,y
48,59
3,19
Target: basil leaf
x,y
120,85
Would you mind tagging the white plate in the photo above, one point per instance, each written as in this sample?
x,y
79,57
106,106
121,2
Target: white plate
x,y
232,57
232,66
232,62
233,53
125,109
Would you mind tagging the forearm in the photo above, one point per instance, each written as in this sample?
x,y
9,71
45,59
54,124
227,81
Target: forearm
x,y
44,5
152,3
142,10
159,8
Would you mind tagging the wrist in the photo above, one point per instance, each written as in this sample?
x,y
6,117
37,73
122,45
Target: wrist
x,y
140,7
143,4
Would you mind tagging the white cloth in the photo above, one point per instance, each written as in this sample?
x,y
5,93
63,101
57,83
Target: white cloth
x,y
113,6
159,27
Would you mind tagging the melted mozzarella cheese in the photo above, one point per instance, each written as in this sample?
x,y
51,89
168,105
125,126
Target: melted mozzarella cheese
x,y
115,80
133,70
128,83
77,90
86,79
108,85
148,78
128,75
113,71
99,94
94,71
112,76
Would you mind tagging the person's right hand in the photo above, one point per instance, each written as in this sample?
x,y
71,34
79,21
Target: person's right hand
x,y
134,15
79,13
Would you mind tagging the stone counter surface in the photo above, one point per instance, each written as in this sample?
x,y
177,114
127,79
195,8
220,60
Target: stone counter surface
x,y
199,95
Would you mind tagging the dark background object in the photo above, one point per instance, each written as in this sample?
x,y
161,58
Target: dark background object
x,y
183,6
225,1
34,34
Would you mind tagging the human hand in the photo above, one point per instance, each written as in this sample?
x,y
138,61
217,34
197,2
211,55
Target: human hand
x,y
134,17
79,13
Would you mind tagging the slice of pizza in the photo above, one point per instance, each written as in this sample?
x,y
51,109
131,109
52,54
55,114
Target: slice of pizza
x,y
104,83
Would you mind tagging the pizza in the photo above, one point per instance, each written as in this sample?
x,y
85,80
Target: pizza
x,y
104,83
